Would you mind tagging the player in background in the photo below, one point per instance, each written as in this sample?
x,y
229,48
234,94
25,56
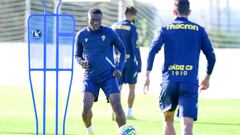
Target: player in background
x,y
183,41
127,32
94,52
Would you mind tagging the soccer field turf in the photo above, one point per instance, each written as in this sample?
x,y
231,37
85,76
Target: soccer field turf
x,y
216,116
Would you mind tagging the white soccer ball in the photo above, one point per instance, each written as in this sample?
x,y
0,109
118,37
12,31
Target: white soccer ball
x,y
127,130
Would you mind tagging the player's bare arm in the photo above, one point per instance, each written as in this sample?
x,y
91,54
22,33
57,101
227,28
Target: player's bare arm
x,y
147,82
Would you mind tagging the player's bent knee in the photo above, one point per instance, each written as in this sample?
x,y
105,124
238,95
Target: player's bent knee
x,y
132,87
169,116
187,121
186,125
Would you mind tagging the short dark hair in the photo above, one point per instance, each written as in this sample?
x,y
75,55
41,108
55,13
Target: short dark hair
x,y
94,11
130,10
182,6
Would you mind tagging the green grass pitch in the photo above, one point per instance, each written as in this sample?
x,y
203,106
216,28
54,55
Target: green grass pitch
x,y
216,116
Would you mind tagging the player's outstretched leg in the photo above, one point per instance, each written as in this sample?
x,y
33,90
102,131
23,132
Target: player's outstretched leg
x,y
88,99
115,101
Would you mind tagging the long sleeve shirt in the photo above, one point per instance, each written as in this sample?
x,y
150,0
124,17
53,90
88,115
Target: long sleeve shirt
x,y
183,41
97,48
127,32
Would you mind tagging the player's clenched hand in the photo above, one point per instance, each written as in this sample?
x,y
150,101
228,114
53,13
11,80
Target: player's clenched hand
x,y
84,64
117,74
147,83
205,83
146,86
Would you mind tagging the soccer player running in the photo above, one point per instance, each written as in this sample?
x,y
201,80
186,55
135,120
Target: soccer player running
x,y
127,31
94,52
183,40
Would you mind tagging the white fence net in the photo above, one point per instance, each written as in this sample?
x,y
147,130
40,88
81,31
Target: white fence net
x,y
220,16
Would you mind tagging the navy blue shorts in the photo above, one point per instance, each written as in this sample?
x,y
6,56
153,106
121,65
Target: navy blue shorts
x,y
129,75
181,95
109,85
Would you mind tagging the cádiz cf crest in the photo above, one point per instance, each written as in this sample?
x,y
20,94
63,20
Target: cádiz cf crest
x,y
86,39
37,34
103,37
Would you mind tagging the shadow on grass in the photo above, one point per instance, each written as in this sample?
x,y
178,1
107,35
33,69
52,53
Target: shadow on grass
x,y
220,124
